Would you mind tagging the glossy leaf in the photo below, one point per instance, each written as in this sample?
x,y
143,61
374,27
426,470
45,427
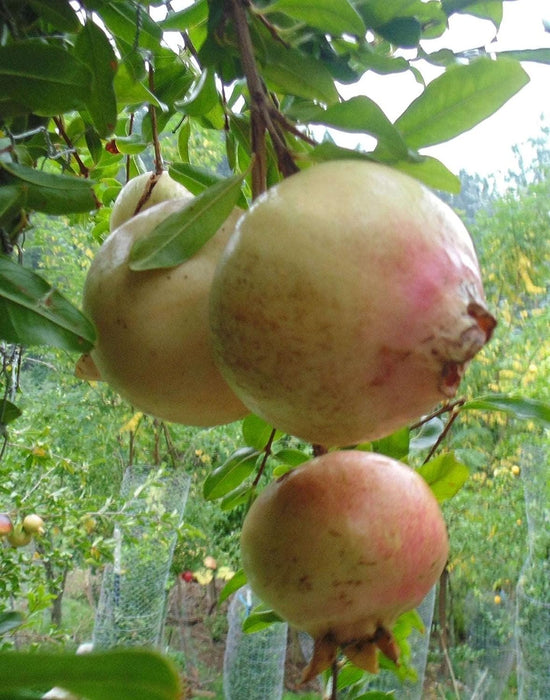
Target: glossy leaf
x,y
256,432
231,473
8,413
530,55
445,475
129,674
330,16
94,50
238,497
58,13
361,115
431,172
34,313
185,19
260,618
193,177
299,74
516,406
459,99
291,456
238,580
40,78
202,98
52,193
183,233
9,620
131,22
395,445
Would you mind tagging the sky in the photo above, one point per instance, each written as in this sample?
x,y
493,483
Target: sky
x,y
487,148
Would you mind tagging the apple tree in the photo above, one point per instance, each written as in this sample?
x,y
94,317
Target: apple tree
x,y
92,93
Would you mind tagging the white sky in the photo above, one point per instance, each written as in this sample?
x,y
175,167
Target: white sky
x,y
487,147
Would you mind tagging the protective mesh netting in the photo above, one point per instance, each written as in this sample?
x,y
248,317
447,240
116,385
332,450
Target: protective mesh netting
x,y
491,644
132,601
253,667
533,589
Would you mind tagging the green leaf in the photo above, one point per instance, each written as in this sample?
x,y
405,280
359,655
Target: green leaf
x,y
331,16
58,13
427,435
295,73
431,172
238,580
129,674
52,193
12,199
40,78
529,55
361,115
516,406
231,474
9,620
32,312
291,456
131,22
238,497
256,432
401,31
94,50
459,99
445,475
8,413
194,177
395,445
203,96
185,19
183,233
260,618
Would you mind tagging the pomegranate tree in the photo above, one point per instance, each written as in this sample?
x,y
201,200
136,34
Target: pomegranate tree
x,y
347,304
340,547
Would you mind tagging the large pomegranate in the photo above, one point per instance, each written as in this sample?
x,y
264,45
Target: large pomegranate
x,y
153,342
347,303
340,547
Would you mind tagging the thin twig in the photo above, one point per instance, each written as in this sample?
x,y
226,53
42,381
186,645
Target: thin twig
x,y
84,171
267,452
154,125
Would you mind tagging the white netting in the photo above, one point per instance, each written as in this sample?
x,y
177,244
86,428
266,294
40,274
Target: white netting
x,y
490,638
253,667
131,606
533,589
387,681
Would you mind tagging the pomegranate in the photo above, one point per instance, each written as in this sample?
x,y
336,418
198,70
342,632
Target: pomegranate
x,y
347,304
340,547
141,193
153,343
6,525
34,524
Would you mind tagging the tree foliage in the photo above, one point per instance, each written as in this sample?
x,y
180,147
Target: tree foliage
x,y
230,96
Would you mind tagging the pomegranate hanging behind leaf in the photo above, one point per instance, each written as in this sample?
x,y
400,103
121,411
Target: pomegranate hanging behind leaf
x,y
340,547
347,304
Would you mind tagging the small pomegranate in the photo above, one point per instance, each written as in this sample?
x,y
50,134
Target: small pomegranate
x,y
34,524
340,547
6,525
347,303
